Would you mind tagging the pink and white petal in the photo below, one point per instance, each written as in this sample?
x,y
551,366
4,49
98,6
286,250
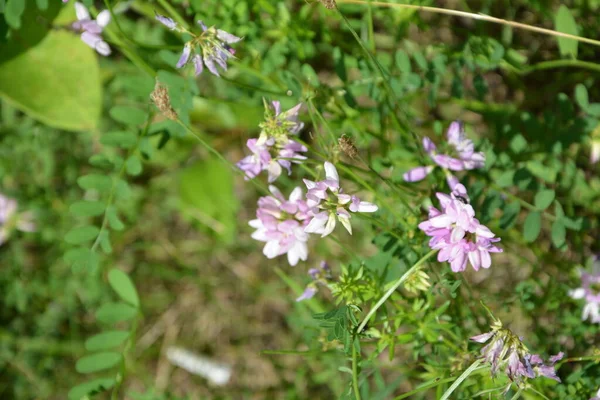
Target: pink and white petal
x,y
81,12
103,48
271,249
331,172
296,194
578,293
103,18
329,226
345,220
417,174
366,207
274,170
344,198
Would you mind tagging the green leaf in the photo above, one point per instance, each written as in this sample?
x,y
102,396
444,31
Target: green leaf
x,y
98,182
82,234
122,139
207,193
82,259
113,219
565,23
544,198
532,226
518,144
96,386
581,96
122,284
559,233
106,340
104,240
13,11
111,313
128,115
62,89
97,362
87,208
134,165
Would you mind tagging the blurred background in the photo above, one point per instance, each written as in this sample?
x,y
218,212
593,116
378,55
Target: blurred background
x,y
177,216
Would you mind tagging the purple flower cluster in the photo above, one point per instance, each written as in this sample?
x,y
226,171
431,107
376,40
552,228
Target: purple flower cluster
x,y
280,224
90,29
328,202
590,291
459,236
319,276
505,348
462,156
211,48
274,150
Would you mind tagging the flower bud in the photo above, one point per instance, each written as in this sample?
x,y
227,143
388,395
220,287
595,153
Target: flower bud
x,y
160,98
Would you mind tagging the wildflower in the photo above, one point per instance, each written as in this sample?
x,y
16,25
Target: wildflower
x,y
280,223
590,291
328,202
319,276
463,156
459,236
506,349
211,48
91,29
11,220
274,150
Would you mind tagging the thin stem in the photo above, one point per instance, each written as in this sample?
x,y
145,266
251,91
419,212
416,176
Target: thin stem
x,y
391,290
355,371
460,380
424,387
478,16
559,64
517,395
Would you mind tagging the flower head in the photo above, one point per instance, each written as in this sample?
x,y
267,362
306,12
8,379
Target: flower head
x,y
328,203
461,156
211,48
459,236
274,150
10,219
505,349
319,276
590,291
280,224
90,29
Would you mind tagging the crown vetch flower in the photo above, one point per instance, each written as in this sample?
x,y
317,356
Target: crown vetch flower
x,y
280,224
590,291
10,219
328,203
320,276
211,48
464,157
274,150
459,236
506,349
90,29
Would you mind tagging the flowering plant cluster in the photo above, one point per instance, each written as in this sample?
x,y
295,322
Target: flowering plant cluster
x,y
211,48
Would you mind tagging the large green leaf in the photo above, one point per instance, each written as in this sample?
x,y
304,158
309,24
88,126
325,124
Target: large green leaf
x,y
565,23
97,362
57,82
122,284
208,196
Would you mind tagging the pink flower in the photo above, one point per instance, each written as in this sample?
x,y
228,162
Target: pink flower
x,y
319,276
274,151
590,291
10,219
463,156
328,202
91,30
280,224
459,236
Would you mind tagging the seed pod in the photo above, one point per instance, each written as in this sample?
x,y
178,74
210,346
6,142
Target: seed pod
x,y
347,146
329,4
160,98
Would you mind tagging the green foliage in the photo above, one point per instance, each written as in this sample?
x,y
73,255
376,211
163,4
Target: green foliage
x,y
564,22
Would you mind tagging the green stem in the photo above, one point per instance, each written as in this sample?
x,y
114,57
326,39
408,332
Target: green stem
x,y
478,16
460,380
517,395
424,387
559,64
355,371
391,290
